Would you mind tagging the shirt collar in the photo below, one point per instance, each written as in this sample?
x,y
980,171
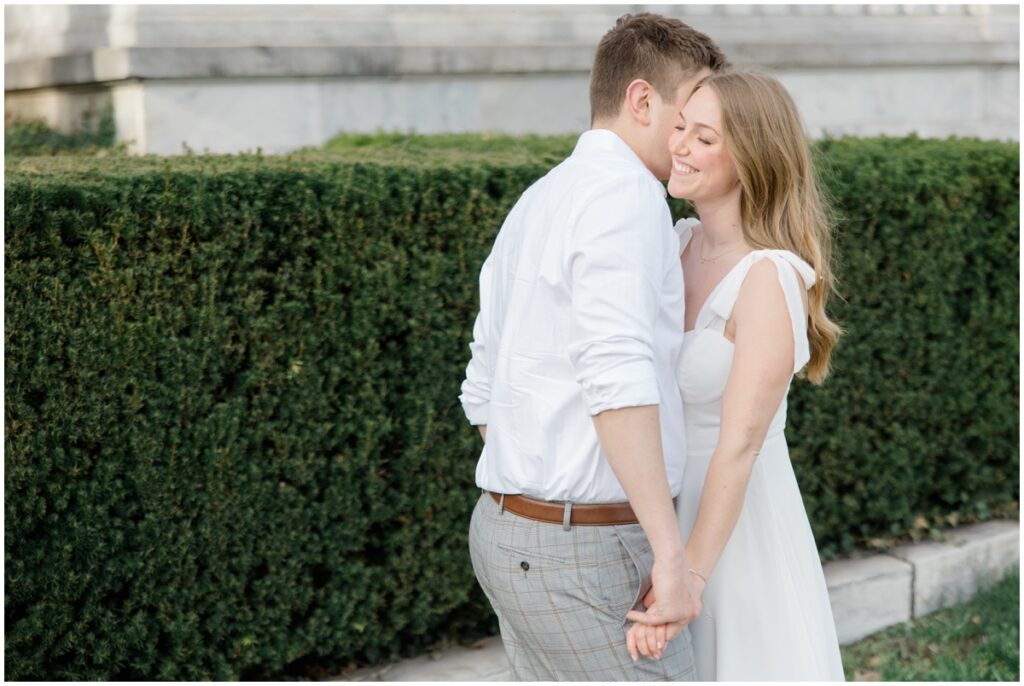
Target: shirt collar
x,y
606,140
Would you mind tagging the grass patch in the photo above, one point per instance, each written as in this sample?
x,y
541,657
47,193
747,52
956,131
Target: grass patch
x,y
975,641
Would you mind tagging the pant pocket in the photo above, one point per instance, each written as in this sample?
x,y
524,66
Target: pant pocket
x,y
638,548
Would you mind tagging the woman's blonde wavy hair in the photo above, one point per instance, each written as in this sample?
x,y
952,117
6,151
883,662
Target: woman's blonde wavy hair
x,y
781,204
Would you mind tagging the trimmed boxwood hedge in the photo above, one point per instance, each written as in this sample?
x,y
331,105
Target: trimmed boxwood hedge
x,y
233,442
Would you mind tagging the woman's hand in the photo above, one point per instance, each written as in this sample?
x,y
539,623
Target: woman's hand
x,y
650,598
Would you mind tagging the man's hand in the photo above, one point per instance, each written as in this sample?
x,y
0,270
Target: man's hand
x,y
680,594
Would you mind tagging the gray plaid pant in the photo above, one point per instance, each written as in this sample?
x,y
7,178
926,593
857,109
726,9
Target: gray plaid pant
x,y
562,596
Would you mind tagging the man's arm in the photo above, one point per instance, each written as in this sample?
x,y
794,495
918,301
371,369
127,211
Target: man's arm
x,y
617,270
631,438
476,388
483,432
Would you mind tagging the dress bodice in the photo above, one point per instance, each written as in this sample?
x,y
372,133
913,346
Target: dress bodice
x,y
707,354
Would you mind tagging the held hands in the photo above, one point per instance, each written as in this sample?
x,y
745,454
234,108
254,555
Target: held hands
x,y
680,593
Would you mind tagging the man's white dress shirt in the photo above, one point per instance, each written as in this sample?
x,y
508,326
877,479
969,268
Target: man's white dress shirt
x,y
581,311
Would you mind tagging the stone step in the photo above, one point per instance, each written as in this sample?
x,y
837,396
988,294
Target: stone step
x,y
972,557
868,594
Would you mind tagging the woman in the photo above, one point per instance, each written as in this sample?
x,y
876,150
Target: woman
x,y
757,277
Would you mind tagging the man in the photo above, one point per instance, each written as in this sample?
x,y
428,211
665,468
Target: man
x,y
573,368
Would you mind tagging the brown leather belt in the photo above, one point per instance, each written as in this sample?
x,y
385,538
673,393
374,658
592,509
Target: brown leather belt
x,y
609,514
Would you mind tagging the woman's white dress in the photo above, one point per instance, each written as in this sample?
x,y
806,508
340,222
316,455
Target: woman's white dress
x,y
770,613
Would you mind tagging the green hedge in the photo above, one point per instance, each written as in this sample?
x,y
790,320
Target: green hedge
x,y
96,134
234,447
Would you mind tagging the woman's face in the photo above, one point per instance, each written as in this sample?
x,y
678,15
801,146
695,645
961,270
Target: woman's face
x,y
702,168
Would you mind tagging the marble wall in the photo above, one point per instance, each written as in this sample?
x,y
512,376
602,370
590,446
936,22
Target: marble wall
x,y
237,77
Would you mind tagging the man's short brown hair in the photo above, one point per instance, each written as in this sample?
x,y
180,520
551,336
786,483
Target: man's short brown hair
x,y
661,50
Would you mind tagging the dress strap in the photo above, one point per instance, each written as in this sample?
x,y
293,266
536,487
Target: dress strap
x,y
684,229
794,273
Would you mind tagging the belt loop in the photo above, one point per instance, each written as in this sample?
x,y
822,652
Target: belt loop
x,y
501,504
567,517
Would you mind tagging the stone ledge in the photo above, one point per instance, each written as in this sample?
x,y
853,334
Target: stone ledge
x,y
868,595
43,31
972,557
120,64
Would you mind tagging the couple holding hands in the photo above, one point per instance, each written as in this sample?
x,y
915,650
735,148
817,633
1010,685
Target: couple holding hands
x,y
640,519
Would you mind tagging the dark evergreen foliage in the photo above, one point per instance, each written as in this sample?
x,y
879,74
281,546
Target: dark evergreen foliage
x,y
233,440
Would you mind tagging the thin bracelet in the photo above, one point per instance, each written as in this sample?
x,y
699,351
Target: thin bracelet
x,y
701,577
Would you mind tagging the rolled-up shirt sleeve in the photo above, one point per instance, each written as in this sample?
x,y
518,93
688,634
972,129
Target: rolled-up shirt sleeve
x,y
615,266
476,388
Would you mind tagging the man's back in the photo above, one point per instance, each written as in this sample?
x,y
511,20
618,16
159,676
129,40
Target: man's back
x,y
584,264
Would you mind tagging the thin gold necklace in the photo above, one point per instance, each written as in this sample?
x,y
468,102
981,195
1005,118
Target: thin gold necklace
x,y
705,260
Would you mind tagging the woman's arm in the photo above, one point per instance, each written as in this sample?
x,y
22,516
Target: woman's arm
x,y
761,371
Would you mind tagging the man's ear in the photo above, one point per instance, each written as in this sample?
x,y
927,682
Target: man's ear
x,y
639,101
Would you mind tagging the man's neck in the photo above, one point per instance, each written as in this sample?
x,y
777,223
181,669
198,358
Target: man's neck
x,y
627,134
